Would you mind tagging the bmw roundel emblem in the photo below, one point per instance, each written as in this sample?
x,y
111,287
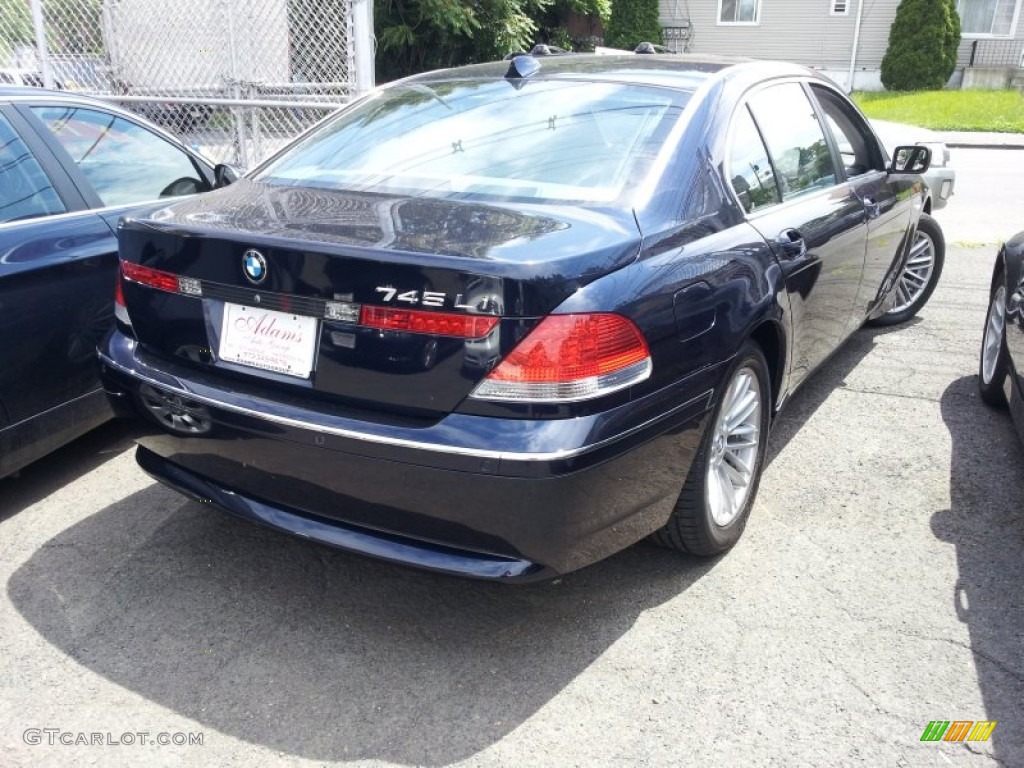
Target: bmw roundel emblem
x,y
254,264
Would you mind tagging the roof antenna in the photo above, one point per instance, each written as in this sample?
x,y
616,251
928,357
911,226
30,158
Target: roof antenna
x,y
522,67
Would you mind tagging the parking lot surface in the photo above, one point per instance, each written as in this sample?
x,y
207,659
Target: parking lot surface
x,y
877,588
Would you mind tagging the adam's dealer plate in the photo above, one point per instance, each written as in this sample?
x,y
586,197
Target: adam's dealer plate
x,y
273,341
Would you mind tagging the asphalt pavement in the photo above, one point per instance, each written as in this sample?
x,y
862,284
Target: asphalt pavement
x,y
877,588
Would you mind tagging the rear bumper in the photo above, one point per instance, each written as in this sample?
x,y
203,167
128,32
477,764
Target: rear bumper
x,y
942,183
473,496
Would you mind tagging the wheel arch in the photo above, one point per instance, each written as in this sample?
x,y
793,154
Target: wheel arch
x,y
999,270
768,335
1011,258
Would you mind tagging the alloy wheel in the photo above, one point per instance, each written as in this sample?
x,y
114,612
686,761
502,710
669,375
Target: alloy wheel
x,y
732,452
992,343
917,274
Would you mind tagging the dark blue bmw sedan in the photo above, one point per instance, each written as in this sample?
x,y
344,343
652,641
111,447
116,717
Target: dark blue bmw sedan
x,y
502,321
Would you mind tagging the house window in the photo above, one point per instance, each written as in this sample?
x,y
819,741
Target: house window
x,y
840,7
739,11
984,18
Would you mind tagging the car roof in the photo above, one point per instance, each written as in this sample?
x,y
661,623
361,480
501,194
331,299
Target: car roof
x,y
10,92
15,93
683,71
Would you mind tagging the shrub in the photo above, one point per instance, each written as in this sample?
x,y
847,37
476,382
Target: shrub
x,y
923,43
633,22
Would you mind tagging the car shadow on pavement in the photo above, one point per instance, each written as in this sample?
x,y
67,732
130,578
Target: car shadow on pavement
x,y
65,465
318,653
985,522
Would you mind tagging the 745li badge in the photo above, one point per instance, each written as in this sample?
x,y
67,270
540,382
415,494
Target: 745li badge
x,y
435,299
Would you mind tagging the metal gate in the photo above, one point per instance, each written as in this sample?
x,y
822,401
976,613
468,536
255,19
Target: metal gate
x,y
236,79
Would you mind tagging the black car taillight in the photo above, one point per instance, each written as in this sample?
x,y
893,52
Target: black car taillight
x,y
433,323
120,308
155,278
568,358
471,327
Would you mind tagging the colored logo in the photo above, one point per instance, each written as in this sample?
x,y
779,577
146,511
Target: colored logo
x,y
958,730
255,266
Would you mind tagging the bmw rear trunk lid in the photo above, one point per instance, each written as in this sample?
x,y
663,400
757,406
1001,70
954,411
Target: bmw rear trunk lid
x,y
402,303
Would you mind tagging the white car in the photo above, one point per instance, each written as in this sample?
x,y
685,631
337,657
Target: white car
x,y
940,177
26,77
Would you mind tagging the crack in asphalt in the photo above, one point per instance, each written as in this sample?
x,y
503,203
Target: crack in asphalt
x,y
989,755
845,388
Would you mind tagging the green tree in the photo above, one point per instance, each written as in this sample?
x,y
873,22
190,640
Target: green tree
x,y
552,22
923,43
15,27
633,22
73,26
417,35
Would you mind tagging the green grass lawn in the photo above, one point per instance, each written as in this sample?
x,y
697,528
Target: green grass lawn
x,y
948,110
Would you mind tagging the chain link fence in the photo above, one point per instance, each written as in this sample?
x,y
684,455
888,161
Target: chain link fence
x,y
236,79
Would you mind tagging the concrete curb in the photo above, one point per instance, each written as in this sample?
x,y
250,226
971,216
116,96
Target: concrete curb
x,y
981,145
981,139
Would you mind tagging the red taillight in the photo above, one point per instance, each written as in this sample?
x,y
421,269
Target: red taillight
x,y
435,323
120,308
119,290
570,357
154,278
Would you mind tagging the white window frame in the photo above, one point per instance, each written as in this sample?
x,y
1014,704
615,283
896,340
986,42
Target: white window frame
x,y
846,8
756,22
989,35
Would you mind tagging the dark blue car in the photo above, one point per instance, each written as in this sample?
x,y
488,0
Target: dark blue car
x,y
1002,345
502,321
69,168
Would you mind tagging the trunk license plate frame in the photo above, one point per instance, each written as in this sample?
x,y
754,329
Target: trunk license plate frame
x,y
267,340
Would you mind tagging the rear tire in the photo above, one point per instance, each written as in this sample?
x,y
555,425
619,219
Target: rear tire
x,y
992,367
715,502
921,274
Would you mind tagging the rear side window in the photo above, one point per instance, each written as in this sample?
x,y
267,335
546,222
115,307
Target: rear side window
x,y
750,170
25,190
795,139
124,162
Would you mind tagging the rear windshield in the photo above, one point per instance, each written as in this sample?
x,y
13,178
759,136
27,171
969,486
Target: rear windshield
x,y
543,140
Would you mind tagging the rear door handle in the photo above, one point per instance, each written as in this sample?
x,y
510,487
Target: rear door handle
x,y
792,243
873,207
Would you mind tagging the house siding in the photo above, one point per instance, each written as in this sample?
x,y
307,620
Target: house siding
x,y
800,31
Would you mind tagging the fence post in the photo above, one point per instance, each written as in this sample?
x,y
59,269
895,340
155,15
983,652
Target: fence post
x,y
41,48
235,84
363,42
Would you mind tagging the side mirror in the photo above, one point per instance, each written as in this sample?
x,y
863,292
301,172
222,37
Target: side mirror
x,y
911,159
224,174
